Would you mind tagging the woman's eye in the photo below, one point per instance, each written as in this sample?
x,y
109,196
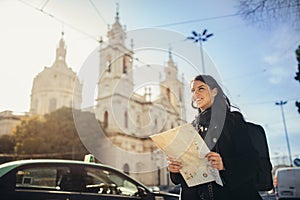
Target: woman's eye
x,y
200,89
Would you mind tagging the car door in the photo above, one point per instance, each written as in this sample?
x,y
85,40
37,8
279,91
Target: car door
x,y
43,182
297,182
286,183
106,183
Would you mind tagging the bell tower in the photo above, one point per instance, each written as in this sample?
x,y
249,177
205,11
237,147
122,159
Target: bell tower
x,y
115,63
115,74
172,88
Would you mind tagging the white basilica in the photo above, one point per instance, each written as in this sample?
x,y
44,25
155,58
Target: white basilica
x,y
53,88
129,118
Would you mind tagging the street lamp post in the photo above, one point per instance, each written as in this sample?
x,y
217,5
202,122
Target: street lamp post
x,y
281,103
200,37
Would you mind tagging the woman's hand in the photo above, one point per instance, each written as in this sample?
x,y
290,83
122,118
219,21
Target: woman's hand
x,y
216,160
174,166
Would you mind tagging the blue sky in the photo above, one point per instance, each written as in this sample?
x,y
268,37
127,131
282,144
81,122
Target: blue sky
x,y
256,64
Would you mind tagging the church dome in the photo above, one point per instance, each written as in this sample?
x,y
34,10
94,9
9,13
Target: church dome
x,y
56,86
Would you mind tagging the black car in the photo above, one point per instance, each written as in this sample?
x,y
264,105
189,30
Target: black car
x,y
70,180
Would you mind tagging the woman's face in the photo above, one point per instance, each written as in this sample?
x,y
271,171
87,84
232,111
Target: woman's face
x,y
202,95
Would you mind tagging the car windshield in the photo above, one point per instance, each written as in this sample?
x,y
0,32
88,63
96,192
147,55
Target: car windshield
x,y
43,177
105,181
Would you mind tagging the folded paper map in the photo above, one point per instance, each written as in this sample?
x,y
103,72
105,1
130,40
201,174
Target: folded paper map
x,y
184,144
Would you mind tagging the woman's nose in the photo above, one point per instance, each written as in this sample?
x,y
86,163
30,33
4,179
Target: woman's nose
x,y
194,97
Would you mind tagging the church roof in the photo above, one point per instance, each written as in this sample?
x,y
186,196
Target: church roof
x,y
59,75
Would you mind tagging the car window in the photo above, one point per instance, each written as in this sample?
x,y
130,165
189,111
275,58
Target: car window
x,y
105,181
57,178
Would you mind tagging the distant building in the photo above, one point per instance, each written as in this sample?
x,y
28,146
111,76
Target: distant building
x,y
8,121
129,118
56,86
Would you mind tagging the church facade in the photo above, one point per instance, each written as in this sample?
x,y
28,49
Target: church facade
x,y
129,118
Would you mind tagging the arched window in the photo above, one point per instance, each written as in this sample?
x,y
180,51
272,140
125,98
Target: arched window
x,y
172,125
108,63
180,95
168,93
126,169
105,121
126,119
124,65
52,105
108,66
155,128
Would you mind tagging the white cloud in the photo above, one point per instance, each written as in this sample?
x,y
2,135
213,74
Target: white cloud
x,y
271,59
276,75
280,56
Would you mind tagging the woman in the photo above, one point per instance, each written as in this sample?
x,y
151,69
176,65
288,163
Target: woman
x,y
232,153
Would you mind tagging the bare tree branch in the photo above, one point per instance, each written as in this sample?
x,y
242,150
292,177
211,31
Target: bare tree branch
x,y
267,12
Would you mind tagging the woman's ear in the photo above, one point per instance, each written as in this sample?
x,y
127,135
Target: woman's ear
x,y
214,92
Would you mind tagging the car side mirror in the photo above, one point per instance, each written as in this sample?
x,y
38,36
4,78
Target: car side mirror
x,y
142,191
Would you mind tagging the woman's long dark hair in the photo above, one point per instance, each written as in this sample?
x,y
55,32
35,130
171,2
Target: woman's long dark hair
x,y
221,100
216,115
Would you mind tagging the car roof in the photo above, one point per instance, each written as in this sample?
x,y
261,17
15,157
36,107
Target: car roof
x,y
32,161
6,167
287,169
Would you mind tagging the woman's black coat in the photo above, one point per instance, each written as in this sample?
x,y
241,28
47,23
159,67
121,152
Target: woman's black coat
x,y
238,156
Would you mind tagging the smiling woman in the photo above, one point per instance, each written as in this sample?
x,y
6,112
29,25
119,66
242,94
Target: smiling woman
x,y
203,96
232,153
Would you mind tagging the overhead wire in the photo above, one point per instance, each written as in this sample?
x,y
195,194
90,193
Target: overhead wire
x,y
269,102
244,75
42,8
97,11
198,20
59,20
215,18
73,27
